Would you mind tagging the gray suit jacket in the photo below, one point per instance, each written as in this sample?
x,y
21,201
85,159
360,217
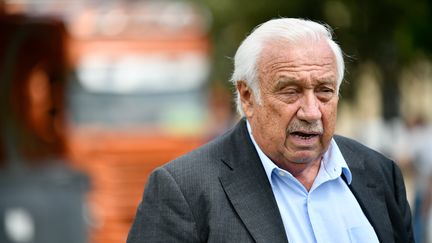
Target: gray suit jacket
x,y
220,193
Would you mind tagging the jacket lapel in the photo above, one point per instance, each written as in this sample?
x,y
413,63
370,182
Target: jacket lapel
x,y
247,187
368,192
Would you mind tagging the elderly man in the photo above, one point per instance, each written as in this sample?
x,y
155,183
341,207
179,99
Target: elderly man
x,y
280,175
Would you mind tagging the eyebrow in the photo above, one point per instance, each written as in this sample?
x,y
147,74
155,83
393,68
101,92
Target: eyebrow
x,y
287,81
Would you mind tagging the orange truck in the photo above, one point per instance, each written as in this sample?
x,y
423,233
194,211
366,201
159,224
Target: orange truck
x,y
137,98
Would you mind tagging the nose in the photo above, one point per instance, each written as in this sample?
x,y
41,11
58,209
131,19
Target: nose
x,y
309,109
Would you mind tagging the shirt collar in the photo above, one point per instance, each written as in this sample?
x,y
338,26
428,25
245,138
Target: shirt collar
x,y
333,161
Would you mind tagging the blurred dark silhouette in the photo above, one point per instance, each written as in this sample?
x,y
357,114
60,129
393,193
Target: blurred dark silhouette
x,y
41,198
33,69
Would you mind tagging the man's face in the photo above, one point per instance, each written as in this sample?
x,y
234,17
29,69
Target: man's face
x,y
295,120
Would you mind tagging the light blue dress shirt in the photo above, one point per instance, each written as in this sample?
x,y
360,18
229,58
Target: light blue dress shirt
x,y
329,212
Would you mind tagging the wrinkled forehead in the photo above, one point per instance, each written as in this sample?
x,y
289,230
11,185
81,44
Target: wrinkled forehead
x,y
277,45
289,53
305,63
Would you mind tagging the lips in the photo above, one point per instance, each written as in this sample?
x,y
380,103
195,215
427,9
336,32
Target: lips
x,y
305,130
304,140
305,135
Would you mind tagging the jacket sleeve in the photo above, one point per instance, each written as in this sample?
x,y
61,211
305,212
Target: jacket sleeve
x,y
164,214
400,194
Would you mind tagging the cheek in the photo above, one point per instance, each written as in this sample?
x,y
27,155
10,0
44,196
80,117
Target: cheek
x,y
274,121
329,118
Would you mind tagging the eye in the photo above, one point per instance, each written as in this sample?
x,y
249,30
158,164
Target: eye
x,y
326,90
325,93
289,94
290,91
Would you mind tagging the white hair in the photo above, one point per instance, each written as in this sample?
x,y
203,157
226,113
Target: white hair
x,y
291,29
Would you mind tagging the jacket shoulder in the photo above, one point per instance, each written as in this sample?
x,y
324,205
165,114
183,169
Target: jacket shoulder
x,y
355,152
349,146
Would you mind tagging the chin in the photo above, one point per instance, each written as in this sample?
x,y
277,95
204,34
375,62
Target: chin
x,y
306,157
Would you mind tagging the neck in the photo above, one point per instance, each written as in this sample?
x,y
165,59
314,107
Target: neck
x,y
304,173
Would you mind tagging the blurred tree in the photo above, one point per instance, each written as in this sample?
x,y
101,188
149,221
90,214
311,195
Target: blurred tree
x,y
390,33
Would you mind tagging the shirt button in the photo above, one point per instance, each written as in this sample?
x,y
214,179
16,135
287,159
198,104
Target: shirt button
x,y
281,173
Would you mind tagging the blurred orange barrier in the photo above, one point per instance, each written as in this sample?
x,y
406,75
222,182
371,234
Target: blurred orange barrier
x,y
119,165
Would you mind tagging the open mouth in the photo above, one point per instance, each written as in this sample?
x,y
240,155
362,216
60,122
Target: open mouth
x,y
303,135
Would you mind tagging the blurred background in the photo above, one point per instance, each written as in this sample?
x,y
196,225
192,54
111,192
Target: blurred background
x,y
95,94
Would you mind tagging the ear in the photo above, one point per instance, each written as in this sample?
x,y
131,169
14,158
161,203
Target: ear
x,y
247,98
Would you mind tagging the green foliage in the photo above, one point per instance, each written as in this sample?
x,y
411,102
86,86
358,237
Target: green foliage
x,y
390,33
